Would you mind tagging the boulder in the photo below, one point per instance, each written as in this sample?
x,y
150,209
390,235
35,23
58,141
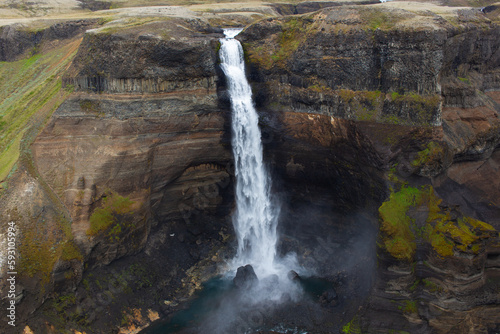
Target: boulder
x,y
245,277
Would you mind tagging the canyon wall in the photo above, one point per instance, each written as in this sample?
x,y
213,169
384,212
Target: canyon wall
x,y
420,90
388,114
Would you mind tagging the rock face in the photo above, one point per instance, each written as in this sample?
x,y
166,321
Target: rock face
x,y
143,170
381,130
16,40
422,94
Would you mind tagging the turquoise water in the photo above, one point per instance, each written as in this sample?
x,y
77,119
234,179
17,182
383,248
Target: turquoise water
x,y
211,293
217,291
315,286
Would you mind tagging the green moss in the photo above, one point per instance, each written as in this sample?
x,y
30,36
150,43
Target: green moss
x,y
91,106
61,302
446,235
477,224
346,95
106,217
395,96
37,255
71,252
433,152
366,105
398,237
399,231
294,32
431,286
439,242
291,37
415,284
410,306
352,327
421,108
464,80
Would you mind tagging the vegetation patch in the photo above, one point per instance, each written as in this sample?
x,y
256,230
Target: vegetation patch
x,y
375,18
29,93
111,216
396,225
109,288
410,306
366,105
465,234
41,247
91,106
400,232
352,327
464,80
294,32
420,109
433,153
71,252
431,286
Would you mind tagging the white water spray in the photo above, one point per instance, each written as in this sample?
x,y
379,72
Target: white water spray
x,y
256,217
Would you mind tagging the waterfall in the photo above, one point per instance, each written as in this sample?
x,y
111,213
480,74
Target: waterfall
x,y
256,217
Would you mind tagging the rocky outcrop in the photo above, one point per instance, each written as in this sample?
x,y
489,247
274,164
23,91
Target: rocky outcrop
x,y
17,40
161,57
372,66
312,6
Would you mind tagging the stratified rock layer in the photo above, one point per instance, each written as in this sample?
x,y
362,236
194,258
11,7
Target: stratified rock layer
x,y
358,104
422,93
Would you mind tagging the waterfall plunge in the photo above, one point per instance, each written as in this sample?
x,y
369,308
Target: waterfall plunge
x,y
255,218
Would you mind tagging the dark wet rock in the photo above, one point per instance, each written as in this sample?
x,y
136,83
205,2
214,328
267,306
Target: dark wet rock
x,y
329,297
245,277
293,276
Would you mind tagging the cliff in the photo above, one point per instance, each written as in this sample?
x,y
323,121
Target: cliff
x,y
420,89
381,129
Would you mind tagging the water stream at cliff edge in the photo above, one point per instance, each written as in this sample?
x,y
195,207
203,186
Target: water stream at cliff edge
x,y
256,216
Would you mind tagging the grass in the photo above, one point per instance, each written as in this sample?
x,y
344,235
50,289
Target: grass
x,y
367,105
465,234
293,34
65,309
28,87
30,91
422,107
71,252
464,80
431,286
446,235
374,18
